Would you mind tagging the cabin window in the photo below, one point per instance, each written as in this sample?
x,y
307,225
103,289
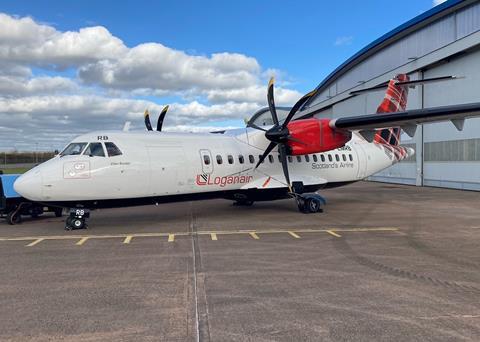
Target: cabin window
x,y
337,157
315,158
94,150
251,159
344,157
260,157
230,159
322,157
299,159
73,149
307,158
206,159
290,159
241,160
112,149
219,159
270,158
351,157
330,157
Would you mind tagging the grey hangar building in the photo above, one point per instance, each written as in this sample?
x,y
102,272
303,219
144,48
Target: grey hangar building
x,y
444,41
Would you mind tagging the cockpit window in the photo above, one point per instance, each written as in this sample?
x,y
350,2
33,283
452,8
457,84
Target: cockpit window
x,y
112,149
73,149
94,150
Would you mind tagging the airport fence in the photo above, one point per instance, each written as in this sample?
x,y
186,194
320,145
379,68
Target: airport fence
x,y
9,158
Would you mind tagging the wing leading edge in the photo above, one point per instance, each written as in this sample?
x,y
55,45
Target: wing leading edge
x,y
407,120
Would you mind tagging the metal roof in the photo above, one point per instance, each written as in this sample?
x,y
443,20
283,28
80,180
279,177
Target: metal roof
x,y
395,34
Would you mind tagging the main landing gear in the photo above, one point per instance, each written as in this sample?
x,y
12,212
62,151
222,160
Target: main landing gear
x,y
310,203
77,219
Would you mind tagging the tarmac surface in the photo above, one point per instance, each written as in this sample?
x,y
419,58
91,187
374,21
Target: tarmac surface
x,y
383,263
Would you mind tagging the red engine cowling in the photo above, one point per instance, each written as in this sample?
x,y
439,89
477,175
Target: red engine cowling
x,y
317,135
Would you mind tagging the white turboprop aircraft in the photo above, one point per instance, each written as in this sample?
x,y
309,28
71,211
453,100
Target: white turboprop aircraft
x,y
257,163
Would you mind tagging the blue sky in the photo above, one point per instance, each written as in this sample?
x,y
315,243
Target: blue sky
x,y
299,41
297,37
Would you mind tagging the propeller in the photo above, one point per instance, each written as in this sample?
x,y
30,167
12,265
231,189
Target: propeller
x,y
148,124
147,120
161,117
279,135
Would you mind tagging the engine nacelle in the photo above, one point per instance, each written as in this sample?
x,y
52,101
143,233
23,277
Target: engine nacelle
x,y
317,135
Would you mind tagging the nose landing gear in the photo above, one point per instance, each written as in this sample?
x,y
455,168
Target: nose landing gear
x,y
77,219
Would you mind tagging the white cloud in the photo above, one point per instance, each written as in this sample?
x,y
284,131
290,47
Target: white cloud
x,y
107,78
438,2
344,40
155,66
19,86
47,119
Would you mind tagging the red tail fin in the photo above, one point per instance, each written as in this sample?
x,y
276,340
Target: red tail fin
x,y
395,100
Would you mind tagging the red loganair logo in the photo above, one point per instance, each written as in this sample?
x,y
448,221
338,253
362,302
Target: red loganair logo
x,y
205,179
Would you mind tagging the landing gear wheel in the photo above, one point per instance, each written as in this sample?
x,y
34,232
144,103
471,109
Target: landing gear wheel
x,y
14,217
78,223
312,205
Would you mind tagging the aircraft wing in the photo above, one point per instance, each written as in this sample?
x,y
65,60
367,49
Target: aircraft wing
x,y
407,120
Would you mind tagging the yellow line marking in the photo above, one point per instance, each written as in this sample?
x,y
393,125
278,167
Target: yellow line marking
x,y
296,236
33,243
213,236
128,239
171,237
254,235
209,232
82,241
331,232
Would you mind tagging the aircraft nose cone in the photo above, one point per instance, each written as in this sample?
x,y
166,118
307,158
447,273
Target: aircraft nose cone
x,y
29,185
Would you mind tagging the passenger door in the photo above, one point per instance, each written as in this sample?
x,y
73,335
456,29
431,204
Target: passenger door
x,y
206,161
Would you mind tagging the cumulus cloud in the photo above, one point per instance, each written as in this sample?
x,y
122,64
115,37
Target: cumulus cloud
x,y
39,118
19,86
158,67
23,41
41,102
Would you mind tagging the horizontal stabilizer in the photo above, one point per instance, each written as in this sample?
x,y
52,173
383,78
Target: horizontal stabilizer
x,y
406,83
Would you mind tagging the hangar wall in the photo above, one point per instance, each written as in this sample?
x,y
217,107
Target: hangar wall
x,y
444,41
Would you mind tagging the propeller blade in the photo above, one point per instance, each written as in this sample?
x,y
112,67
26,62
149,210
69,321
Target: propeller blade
x,y
297,140
265,154
147,120
271,101
161,117
283,158
297,106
